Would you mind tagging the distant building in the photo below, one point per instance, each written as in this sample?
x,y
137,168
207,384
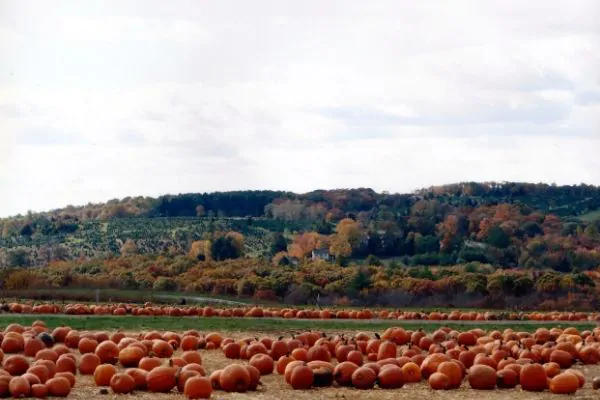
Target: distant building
x,y
321,254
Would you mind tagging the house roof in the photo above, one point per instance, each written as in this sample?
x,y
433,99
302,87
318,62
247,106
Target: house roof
x,y
321,251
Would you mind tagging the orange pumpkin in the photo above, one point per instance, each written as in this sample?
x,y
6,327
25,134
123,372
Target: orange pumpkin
x,y
161,379
507,379
130,357
197,388
108,352
16,365
39,391
58,387
439,381
68,375
103,374
301,377
122,383
263,362
364,378
342,373
390,377
453,371
482,377
19,387
533,378
411,372
88,363
564,383
234,378
66,364
192,357
139,377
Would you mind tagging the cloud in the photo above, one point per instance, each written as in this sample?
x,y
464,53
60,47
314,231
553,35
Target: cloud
x,y
148,98
588,98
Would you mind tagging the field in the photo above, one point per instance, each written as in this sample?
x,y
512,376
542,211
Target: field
x,y
590,216
402,342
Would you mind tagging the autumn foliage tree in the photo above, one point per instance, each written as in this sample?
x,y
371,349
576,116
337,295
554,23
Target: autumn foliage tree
x,y
129,248
303,244
201,250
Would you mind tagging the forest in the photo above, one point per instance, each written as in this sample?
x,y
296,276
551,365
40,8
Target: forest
x,y
466,242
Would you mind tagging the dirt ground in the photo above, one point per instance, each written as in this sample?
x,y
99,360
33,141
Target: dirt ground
x,y
275,388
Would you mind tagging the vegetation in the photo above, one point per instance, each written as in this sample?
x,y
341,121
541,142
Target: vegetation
x,y
475,244
250,324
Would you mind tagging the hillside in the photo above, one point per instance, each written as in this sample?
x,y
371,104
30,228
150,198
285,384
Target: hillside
x,y
488,222
464,244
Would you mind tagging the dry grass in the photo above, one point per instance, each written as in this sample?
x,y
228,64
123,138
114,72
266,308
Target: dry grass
x,y
275,388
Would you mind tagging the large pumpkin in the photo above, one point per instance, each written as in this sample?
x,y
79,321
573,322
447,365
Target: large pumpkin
x,y
197,388
564,383
533,378
234,378
103,374
482,377
122,383
390,377
161,379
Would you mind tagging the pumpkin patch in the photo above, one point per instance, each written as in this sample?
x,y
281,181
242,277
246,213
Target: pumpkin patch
x,y
40,362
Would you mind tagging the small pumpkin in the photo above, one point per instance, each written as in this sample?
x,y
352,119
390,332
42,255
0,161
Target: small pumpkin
x,y
16,365
19,387
88,363
41,371
108,352
162,349
342,373
507,379
411,372
390,377
453,371
58,387
439,381
139,376
254,377
66,364
122,383
263,362
39,391
197,388
103,374
364,378
130,357
562,358
149,363
70,377
191,357
302,377
182,376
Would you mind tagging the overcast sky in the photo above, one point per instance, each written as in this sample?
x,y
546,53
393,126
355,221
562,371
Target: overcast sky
x,y
106,99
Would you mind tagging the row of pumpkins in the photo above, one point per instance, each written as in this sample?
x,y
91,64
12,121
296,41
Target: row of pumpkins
x,y
37,362
536,362
149,309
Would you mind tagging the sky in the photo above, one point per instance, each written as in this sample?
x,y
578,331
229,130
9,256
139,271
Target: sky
x,y
108,99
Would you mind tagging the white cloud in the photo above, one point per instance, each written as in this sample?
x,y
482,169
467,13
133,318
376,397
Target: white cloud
x,y
111,100
118,28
